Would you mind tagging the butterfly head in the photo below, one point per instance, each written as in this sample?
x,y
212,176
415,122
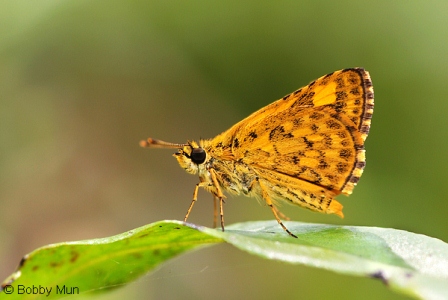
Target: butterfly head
x,y
191,157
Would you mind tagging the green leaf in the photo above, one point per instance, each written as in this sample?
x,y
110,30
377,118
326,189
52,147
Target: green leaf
x,y
79,267
409,263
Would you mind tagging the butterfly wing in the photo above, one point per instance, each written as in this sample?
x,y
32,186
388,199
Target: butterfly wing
x,y
311,140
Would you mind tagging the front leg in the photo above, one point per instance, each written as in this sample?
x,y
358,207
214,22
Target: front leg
x,y
214,188
195,197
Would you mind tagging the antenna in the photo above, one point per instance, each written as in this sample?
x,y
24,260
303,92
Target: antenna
x,y
153,143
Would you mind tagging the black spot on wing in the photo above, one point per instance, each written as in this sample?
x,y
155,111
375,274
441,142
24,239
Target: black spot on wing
x,y
309,144
276,132
236,143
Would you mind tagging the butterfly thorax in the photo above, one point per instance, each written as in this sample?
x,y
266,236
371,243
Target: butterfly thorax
x,y
232,175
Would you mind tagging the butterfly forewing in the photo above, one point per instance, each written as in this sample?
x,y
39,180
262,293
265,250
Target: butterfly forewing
x,y
315,134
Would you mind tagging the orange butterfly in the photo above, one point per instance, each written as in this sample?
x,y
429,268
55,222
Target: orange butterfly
x,y
305,148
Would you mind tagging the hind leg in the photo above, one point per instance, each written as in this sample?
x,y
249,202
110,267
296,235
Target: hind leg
x,y
275,211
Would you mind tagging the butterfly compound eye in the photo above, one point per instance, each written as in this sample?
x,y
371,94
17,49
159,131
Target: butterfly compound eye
x,y
198,156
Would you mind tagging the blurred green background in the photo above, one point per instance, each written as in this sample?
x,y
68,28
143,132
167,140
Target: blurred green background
x,y
82,82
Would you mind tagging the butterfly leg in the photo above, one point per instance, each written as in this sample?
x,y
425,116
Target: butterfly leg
x,y
273,208
218,195
195,197
282,215
215,210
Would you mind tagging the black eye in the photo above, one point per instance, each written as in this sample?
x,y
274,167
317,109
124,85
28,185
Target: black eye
x,y
198,156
